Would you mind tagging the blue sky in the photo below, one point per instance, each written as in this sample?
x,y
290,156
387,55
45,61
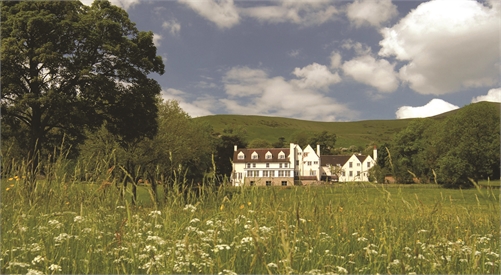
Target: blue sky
x,y
324,60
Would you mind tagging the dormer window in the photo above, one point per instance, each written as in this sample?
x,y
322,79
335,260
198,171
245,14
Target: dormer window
x,y
254,155
281,155
268,155
241,155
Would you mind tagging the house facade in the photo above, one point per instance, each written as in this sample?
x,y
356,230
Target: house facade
x,y
347,168
294,165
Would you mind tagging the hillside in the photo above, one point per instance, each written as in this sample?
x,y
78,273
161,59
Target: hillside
x,y
358,133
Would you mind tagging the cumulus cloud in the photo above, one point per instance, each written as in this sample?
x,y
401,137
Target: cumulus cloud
x,y
493,95
156,39
315,76
434,107
304,13
379,74
252,91
446,46
371,12
359,48
172,26
223,13
201,106
335,60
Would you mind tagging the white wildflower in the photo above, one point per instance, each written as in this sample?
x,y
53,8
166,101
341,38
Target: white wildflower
x,y
342,270
120,207
34,272
155,213
246,240
78,219
194,220
227,272
489,263
190,208
37,259
150,248
362,239
273,265
55,267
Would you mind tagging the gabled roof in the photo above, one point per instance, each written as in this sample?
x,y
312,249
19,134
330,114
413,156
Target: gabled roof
x,y
261,152
361,158
333,160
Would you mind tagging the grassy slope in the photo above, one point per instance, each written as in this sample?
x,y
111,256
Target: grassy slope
x,y
359,133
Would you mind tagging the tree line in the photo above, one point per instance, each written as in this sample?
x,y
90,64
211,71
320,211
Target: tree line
x,y
456,150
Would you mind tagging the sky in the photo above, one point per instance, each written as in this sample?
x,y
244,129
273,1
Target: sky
x,y
324,60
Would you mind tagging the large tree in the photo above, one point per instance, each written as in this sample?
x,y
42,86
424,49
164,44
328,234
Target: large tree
x,y
67,67
469,145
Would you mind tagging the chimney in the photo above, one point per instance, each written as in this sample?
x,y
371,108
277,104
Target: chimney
x,y
374,154
318,150
235,148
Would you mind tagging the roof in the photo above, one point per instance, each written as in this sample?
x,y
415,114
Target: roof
x,y
361,158
333,160
261,152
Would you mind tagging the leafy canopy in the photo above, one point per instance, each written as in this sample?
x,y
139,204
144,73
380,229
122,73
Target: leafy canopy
x,y
67,67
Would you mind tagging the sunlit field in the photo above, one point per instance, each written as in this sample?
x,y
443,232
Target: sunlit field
x,y
339,229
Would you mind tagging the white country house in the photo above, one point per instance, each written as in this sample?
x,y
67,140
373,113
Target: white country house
x,y
294,165
347,168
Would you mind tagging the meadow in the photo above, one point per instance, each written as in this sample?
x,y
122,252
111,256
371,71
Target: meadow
x,y
349,228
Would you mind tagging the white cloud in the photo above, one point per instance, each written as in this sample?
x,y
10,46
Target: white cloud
x,y
493,95
125,4
201,106
172,26
434,107
156,39
379,74
371,12
447,46
223,13
359,48
335,60
304,13
252,91
315,76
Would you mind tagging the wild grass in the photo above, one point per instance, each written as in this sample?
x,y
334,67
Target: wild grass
x,y
76,224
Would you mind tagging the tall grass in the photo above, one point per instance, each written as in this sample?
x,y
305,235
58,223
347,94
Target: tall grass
x,y
78,226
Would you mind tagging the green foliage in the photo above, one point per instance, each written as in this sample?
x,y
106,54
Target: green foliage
x,y
326,140
301,137
67,68
259,143
453,150
469,145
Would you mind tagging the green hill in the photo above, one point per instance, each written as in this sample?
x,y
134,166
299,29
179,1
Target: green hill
x,y
358,133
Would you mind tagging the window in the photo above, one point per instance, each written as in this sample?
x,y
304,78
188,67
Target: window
x,y
351,164
253,165
280,165
358,173
286,164
368,164
308,163
284,183
265,173
272,173
268,155
281,155
267,165
287,173
253,173
248,165
315,162
268,183
252,182
254,155
305,154
313,173
358,164
241,156
351,173
280,173
239,175
343,173
297,162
